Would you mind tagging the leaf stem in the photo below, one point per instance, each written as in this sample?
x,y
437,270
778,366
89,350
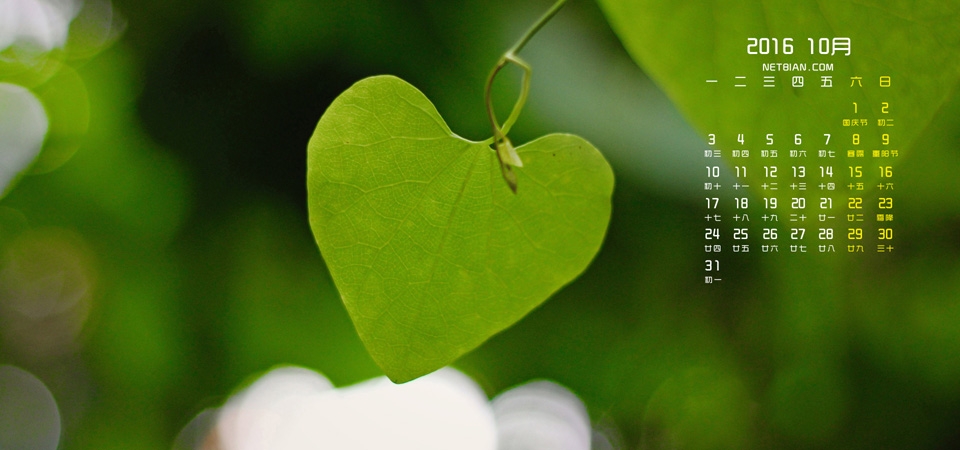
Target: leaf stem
x,y
537,26
505,151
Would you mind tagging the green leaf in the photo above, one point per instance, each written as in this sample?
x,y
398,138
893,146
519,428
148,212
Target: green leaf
x,y
430,250
683,44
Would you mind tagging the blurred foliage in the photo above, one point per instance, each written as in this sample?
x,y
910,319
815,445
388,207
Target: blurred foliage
x,y
924,68
180,222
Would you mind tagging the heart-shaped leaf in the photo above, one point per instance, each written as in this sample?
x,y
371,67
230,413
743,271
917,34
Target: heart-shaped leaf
x,y
896,61
430,250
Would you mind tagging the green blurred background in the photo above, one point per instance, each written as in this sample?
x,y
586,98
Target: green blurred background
x,y
185,265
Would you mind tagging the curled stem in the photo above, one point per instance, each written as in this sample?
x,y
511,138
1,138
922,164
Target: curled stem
x,y
505,152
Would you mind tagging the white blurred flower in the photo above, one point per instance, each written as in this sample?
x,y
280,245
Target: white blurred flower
x,y
35,26
294,408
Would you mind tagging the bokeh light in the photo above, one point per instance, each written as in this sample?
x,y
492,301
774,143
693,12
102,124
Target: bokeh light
x,y
47,280
96,26
23,125
541,415
44,103
29,417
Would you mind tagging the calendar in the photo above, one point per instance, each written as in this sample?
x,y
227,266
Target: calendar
x,y
813,174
